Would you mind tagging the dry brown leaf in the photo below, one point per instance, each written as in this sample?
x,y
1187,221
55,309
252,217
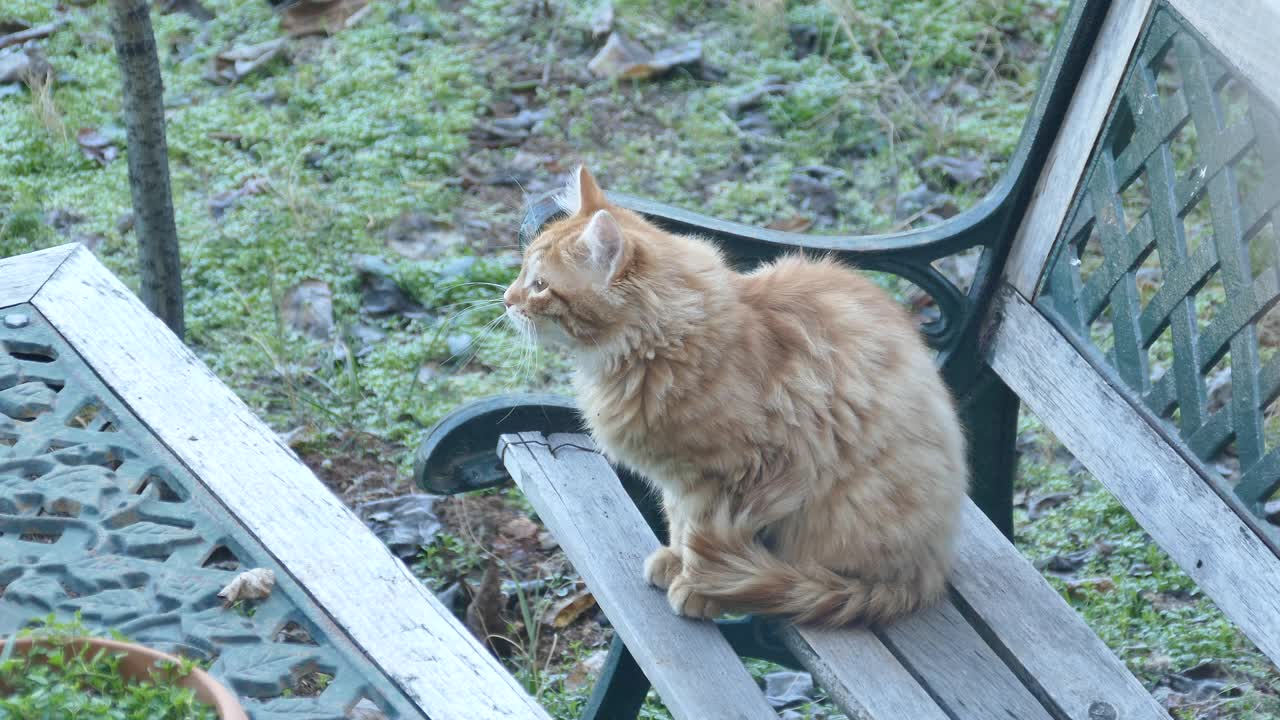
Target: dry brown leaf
x,y
252,584
1100,584
587,670
520,528
562,613
622,57
220,203
321,17
96,146
1038,504
795,223
233,64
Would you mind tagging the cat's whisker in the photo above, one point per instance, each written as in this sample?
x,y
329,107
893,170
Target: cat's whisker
x,y
455,316
472,303
474,283
473,347
477,343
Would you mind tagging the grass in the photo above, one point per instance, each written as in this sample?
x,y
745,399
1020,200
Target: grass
x,y
348,140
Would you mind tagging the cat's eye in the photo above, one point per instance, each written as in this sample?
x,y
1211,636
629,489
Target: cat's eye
x,y
539,284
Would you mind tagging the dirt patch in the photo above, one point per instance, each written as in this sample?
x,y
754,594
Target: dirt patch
x,y
358,467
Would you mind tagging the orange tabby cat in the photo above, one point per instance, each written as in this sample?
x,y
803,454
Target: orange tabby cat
x,y
808,453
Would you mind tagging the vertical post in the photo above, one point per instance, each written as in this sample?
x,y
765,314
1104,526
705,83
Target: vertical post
x,y
158,262
990,415
620,690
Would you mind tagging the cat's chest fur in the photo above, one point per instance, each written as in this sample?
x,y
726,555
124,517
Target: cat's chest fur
x,y
630,425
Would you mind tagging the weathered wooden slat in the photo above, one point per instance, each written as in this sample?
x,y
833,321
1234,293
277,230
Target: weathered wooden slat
x,y
961,671
1247,32
21,276
367,591
578,496
860,674
1116,443
1070,153
1036,632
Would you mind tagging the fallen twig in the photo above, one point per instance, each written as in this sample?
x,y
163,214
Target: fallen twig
x,y
34,33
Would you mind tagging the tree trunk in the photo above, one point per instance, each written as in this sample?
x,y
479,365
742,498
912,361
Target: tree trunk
x,y
158,262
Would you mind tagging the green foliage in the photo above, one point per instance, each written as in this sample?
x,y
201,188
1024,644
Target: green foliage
x,y
446,559
54,680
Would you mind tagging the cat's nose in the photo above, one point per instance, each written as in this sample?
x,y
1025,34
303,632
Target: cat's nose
x,y
506,297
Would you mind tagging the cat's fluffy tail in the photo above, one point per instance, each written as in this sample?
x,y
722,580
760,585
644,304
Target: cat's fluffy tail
x,y
743,575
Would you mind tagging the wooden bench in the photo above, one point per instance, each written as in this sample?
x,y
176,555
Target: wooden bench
x,y
133,487
1101,195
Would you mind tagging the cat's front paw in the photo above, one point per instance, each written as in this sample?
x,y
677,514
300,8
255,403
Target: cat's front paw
x,y
684,601
661,567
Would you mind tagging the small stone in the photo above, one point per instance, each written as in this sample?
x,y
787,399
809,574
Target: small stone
x,y
308,308
547,541
380,295
14,321
458,345
371,265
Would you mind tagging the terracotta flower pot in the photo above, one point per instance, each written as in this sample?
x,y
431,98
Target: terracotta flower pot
x,y
137,662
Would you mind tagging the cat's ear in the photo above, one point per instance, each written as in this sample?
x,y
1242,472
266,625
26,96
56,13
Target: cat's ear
x,y
607,248
582,196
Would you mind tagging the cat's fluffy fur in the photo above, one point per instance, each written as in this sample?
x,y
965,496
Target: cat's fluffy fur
x,y
808,454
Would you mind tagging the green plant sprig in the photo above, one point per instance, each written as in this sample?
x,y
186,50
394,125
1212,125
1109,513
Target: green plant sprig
x,y
55,680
